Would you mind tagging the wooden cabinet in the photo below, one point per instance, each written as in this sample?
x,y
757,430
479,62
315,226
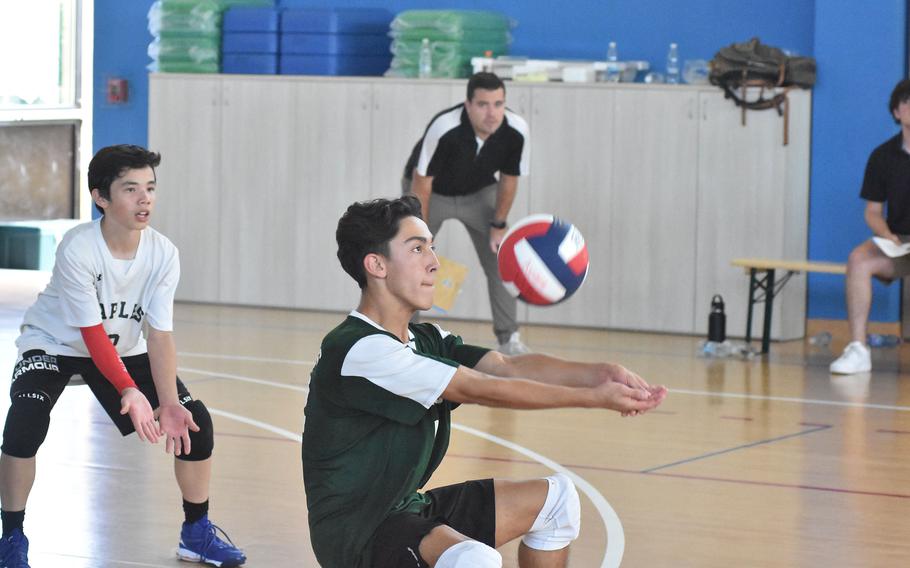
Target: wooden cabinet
x,y
752,202
185,126
664,182
572,137
652,237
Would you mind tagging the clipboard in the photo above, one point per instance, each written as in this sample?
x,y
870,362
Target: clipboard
x,y
449,278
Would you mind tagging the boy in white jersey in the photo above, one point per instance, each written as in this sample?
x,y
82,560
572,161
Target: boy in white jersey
x,y
111,277
378,418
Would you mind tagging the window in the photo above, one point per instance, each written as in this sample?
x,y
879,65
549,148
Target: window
x,y
38,51
45,107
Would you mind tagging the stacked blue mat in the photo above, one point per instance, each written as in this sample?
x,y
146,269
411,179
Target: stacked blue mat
x,y
335,41
249,41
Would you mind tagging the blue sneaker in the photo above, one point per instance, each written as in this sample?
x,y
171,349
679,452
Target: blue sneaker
x,y
14,550
198,543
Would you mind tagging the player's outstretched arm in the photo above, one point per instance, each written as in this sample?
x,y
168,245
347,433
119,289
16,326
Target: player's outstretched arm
x,y
553,370
475,387
174,421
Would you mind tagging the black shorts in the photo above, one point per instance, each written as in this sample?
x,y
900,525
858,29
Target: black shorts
x,y
469,508
37,371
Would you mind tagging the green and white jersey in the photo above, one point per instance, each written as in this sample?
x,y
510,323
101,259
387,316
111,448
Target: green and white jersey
x,y
376,429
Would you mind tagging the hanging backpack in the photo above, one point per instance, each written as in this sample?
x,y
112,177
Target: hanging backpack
x,y
739,66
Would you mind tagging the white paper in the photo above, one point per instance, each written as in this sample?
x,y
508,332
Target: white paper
x,y
889,248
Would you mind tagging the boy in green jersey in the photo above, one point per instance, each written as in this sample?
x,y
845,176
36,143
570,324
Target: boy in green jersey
x,y
379,413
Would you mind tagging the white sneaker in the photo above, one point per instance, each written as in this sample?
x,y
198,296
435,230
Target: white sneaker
x,y
856,359
513,346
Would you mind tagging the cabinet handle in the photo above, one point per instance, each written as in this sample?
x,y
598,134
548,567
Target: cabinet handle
x,y
691,111
704,109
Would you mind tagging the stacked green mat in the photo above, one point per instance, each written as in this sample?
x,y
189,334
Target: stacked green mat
x,y
187,34
455,37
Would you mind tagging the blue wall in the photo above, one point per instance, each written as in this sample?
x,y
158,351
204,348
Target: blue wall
x,y
860,48
861,54
121,43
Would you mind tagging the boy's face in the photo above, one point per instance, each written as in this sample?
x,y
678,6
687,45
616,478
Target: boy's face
x,y
412,264
486,111
132,199
902,113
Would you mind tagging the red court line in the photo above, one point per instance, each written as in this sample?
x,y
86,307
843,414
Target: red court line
x,y
700,477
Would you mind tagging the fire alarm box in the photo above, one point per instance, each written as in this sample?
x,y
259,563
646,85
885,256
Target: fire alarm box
x,y
117,91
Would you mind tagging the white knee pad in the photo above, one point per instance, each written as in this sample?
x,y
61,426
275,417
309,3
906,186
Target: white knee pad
x,y
470,554
559,520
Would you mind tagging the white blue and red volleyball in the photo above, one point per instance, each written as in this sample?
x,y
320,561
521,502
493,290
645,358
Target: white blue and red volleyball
x,y
543,260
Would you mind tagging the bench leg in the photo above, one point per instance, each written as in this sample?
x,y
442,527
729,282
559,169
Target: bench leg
x,y
753,280
769,305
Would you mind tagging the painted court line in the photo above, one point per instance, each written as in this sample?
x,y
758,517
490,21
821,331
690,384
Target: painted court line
x,y
702,478
615,534
614,552
734,449
793,399
258,424
245,358
244,379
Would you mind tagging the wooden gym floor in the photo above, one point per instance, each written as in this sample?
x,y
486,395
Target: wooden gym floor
x,y
766,462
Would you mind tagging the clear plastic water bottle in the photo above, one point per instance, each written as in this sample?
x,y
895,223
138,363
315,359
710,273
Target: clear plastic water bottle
x,y
822,339
673,64
707,349
877,340
425,64
612,73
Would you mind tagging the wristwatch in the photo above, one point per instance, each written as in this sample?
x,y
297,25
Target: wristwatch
x,y
498,224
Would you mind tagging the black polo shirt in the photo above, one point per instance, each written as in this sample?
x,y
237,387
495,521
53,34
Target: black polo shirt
x,y
448,152
887,180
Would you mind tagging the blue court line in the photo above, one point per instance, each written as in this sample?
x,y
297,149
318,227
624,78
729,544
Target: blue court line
x,y
742,447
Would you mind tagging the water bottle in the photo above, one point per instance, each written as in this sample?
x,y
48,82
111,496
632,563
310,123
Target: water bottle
x,y
673,64
425,64
822,339
890,340
876,340
717,320
612,73
707,349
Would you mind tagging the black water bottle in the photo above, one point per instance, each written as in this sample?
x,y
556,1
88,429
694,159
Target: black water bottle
x,y
717,320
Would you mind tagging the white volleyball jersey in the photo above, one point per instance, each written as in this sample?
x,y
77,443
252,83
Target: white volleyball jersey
x,y
89,286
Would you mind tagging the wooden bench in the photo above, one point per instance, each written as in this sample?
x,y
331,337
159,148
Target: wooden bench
x,y
762,278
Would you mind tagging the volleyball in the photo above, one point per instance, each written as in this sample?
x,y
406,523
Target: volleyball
x,y
543,260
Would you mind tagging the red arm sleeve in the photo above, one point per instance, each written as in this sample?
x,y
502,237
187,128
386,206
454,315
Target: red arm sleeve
x,y
105,357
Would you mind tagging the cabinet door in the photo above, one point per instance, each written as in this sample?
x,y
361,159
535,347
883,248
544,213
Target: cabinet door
x,y
330,169
259,194
401,113
652,238
184,126
752,202
571,162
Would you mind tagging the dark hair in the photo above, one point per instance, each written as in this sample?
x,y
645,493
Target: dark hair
x,y
110,162
486,81
900,94
367,227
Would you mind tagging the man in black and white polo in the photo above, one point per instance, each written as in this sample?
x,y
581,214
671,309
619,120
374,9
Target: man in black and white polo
x,y
452,171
